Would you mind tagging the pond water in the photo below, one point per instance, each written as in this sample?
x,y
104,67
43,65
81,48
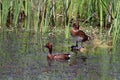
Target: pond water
x,y
23,57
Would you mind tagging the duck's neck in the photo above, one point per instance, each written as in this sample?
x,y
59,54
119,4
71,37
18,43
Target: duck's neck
x,y
75,30
50,50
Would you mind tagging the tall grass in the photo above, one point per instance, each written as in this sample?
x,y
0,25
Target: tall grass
x,y
36,17
116,21
5,8
116,28
46,19
66,5
28,10
17,7
0,12
46,13
101,15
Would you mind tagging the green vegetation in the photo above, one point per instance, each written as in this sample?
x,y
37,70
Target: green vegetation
x,y
53,18
43,14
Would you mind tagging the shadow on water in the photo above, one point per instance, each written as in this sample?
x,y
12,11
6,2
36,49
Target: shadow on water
x,y
23,57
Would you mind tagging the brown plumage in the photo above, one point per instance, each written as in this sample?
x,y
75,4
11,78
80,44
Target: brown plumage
x,y
77,34
58,57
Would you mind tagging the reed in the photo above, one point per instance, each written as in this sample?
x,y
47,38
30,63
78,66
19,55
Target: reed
x,y
36,17
66,6
116,28
45,13
116,21
0,12
101,16
28,10
16,7
4,11
81,7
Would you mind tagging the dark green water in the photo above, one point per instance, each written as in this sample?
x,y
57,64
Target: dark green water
x,y
23,57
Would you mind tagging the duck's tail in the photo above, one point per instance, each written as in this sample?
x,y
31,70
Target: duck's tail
x,y
68,56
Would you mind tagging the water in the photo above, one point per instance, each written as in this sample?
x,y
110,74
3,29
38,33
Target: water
x,y
23,57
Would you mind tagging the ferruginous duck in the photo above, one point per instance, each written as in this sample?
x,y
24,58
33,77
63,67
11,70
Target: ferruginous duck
x,y
77,34
57,57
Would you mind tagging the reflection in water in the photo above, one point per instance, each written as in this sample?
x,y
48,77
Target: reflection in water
x,y
23,57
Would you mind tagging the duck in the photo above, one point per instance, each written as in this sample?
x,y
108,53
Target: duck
x,y
56,57
78,35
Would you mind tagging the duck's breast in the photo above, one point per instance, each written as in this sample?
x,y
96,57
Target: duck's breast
x,y
78,38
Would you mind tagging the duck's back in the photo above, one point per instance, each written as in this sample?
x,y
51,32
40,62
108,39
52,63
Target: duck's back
x,y
80,33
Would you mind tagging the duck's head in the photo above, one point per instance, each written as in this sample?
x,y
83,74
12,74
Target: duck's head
x,y
76,25
48,45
